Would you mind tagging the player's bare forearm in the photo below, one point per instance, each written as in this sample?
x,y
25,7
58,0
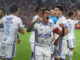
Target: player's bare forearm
x,y
57,41
66,31
53,38
29,29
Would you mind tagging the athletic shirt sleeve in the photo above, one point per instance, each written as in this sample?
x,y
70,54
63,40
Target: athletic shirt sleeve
x,y
50,20
35,26
34,18
20,24
75,21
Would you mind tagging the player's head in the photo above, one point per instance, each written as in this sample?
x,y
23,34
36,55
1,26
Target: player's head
x,y
2,12
71,14
78,12
38,10
52,12
58,11
45,14
14,10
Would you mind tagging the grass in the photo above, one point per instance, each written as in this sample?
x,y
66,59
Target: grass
x,y
23,50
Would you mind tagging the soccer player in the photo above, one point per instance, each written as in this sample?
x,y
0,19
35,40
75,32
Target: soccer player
x,y
11,25
53,19
43,30
71,36
38,10
61,43
2,14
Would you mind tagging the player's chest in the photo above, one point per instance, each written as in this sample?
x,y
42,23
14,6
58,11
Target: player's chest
x,y
44,29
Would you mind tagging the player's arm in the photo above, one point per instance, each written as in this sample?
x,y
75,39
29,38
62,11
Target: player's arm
x,y
61,34
18,40
64,30
53,38
29,29
21,27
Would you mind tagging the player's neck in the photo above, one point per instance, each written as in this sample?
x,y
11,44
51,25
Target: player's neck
x,y
14,14
70,18
44,22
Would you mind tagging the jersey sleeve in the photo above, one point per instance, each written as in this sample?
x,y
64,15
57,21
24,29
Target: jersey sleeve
x,y
35,26
50,20
75,21
34,18
20,24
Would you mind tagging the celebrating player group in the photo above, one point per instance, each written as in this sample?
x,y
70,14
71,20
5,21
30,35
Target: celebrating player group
x,y
52,36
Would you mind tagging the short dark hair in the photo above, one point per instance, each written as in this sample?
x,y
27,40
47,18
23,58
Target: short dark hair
x,y
3,10
70,13
60,8
37,9
43,11
13,8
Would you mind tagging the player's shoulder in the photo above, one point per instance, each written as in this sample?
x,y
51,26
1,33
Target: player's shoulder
x,y
39,22
3,18
50,20
35,17
16,17
63,17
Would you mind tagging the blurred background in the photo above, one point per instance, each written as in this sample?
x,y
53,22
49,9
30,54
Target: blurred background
x,y
27,7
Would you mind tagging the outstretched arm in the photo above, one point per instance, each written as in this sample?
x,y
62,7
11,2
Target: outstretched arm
x,y
29,29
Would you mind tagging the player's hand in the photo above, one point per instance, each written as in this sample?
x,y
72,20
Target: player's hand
x,y
18,41
61,25
57,31
56,43
38,19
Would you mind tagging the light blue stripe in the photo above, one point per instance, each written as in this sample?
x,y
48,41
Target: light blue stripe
x,y
60,47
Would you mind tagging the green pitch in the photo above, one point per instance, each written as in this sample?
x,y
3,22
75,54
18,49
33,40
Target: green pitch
x,y
23,50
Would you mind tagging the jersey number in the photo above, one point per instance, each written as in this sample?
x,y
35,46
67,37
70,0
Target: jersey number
x,y
7,29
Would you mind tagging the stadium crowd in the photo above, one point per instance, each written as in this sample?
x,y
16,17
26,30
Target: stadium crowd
x,y
27,7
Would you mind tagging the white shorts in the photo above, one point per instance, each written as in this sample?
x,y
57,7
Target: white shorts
x,y
61,49
8,50
0,49
71,43
42,53
32,40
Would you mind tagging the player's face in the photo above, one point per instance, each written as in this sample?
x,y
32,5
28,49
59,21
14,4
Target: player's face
x,y
57,12
46,15
52,13
1,14
78,13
